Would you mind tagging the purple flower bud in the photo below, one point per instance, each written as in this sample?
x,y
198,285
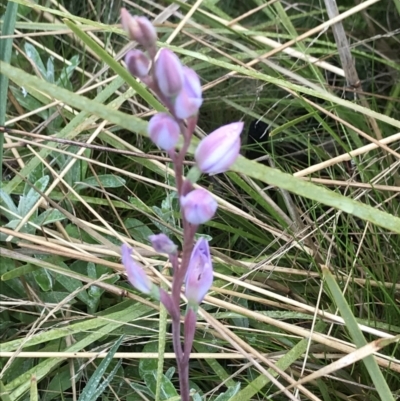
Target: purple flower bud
x,y
198,206
162,244
168,71
136,275
219,150
164,131
189,99
138,63
199,276
139,29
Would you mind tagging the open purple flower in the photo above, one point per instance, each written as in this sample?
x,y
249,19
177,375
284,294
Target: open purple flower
x,y
219,150
199,276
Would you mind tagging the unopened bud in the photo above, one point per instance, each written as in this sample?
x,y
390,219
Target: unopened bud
x,y
138,63
162,244
189,99
168,71
198,206
219,150
164,131
136,275
199,276
139,29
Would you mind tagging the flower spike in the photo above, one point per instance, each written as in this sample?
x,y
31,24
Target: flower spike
x,y
179,89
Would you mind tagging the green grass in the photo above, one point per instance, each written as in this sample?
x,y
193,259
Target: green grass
x,y
306,271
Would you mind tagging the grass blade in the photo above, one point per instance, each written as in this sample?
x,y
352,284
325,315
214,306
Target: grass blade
x,y
357,336
93,387
33,390
5,55
161,346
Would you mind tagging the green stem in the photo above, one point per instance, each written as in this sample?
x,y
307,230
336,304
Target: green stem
x,y
5,55
161,345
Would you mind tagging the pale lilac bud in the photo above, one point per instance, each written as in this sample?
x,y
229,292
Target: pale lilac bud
x,y
136,275
199,276
198,206
164,131
219,150
139,29
168,71
162,244
189,99
138,63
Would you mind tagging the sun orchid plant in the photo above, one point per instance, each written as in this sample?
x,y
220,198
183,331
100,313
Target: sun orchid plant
x,y
179,89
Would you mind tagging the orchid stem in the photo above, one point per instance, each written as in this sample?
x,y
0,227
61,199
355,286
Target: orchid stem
x,y
183,366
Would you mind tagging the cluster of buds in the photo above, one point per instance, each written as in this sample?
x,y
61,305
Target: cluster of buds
x,y
179,88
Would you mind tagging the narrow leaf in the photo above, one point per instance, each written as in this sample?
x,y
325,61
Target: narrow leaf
x,y
357,336
5,55
34,55
48,217
29,200
34,390
8,204
91,390
43,279
105,180
229,393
